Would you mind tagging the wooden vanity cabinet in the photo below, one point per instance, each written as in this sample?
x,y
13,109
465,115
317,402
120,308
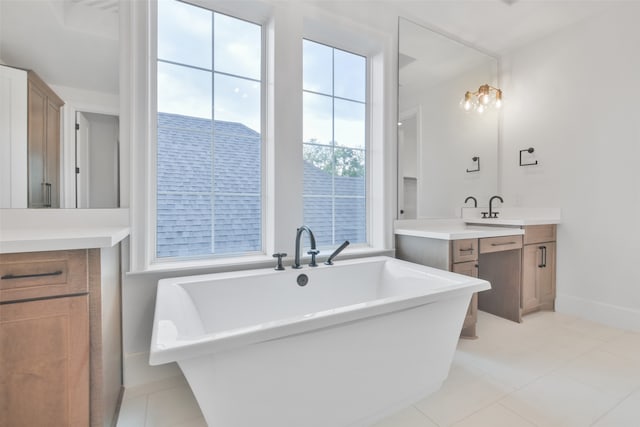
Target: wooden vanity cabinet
x,y
44,339
538,268
458,256
51,347
43,144
465,261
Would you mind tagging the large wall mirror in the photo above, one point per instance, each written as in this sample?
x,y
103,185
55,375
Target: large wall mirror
x,y
444,152
59,104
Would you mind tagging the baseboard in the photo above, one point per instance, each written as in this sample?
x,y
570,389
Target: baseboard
x,y
607,314
137,370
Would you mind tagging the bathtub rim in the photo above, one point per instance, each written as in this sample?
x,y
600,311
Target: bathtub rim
x,y
161,353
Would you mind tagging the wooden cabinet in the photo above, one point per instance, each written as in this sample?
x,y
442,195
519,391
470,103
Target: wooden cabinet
x,y
459,256
539,269
43,141
53,364
44,339
465,261
44,355
469,268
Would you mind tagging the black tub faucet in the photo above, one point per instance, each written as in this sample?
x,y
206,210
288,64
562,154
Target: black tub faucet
x,y
493,214
475,201
312,239
335,253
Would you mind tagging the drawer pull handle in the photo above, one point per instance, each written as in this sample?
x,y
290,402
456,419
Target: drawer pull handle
x,y
543,255
465,250
24,276
503,244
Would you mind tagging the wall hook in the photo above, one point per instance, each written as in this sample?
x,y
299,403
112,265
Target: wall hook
x,y
476,159
528,150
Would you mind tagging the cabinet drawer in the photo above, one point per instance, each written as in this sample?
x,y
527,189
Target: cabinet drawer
x,y
465,250
497,244
539,233
42,274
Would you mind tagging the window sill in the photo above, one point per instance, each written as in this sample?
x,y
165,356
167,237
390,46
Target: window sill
x,y
250,262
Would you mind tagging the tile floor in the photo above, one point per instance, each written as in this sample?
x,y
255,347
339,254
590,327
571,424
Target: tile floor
x,y
550,370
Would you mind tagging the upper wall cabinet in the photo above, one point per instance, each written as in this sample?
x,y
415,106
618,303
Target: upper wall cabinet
x,y
43,137
29,135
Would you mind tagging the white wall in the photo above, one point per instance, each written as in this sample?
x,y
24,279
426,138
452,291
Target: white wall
x,y
574,97
451,137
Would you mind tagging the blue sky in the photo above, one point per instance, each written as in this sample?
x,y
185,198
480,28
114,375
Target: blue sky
x,y
185,35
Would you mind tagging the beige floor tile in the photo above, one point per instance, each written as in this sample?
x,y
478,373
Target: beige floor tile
x,y
558,400
594,330
452,404
626,414
170,407
607,372
133,411
627,345
494,415
409,417
198,422
155,386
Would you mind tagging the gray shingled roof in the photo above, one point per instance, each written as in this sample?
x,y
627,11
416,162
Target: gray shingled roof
x,y
190,223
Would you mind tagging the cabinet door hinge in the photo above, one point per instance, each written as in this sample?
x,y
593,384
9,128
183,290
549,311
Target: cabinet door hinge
x,y
77,170
77,126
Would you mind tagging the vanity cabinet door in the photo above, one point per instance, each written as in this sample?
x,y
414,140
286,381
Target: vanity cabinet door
x,y
531,257
539,268
547,277
469,268
44,355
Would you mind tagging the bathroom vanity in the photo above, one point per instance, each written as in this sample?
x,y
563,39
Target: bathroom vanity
x,y
516,255
60,330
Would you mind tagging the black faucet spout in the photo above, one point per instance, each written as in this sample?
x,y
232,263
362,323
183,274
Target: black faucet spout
x,y
493,214
312,239
475,201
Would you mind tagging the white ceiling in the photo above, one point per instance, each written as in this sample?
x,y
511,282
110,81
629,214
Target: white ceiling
x,y
494,26
67,42
75,42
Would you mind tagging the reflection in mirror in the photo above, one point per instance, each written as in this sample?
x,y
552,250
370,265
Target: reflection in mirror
x,y
97,166
437,139
58,58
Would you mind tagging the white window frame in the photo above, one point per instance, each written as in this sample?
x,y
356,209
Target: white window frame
x,y
154,114
367,145
286,24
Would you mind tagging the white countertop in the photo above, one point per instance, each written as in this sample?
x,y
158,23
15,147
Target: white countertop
x,y
33,230
450,229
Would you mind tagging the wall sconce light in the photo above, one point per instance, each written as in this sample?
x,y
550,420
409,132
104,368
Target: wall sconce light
x,y
486,96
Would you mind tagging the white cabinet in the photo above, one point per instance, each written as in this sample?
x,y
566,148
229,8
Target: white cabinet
x,y
13,137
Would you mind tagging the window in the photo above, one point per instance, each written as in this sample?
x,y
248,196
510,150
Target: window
x,y
334,144
209,144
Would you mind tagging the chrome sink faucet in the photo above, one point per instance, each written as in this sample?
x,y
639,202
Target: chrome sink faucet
x,y
313,252
493,214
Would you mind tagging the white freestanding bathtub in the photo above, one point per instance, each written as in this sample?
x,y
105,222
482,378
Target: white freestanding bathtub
x,y
363,338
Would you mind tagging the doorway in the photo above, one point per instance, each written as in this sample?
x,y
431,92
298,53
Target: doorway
x,y
97,168
408,164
